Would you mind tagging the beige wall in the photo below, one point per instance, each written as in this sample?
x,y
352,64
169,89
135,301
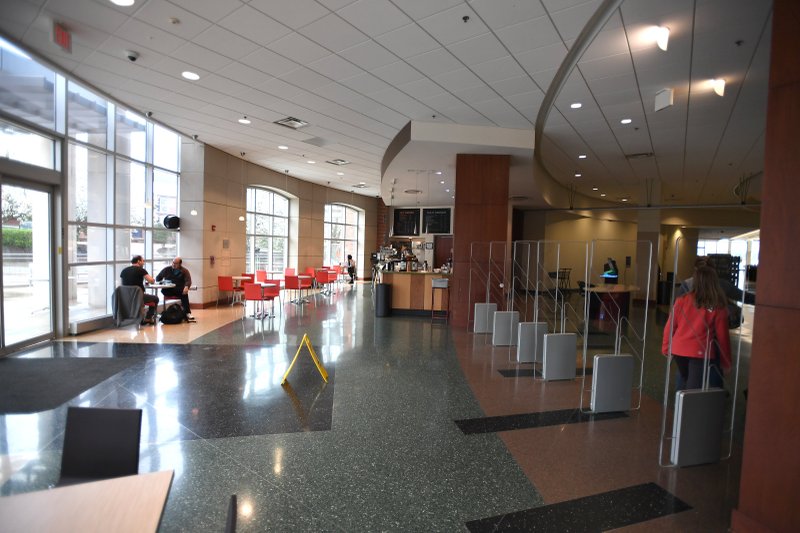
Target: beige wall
x,y
212,182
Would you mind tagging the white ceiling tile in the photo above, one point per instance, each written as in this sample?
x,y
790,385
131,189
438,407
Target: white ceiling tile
x,y
512,12
17,16
609,66
223,85
294,14
441,100
369,55
463,114
435,62
543,58
269,62
144,34
606,43
333,33
298,48
212,10
254,25
544,78
199,56
374,17
572,20
410,40
478,49
305,78
160,13
527,103
458,80
514,86
418,10
475,94
225,42
528,35
333,5
421,89
397,73
335,68
448,26
365,84
244,74
403,104
337,92
498,69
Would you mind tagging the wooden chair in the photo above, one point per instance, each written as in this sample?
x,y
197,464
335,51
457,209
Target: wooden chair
x,y
100,444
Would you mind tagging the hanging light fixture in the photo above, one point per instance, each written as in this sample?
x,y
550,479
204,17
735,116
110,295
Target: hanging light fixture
x,y
661,35
719,86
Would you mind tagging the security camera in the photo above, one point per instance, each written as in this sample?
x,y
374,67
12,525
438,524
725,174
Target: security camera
x,y
132,55
195,136
149,114
242,154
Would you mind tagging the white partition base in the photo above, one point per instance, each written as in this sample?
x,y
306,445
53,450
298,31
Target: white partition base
x,y
612,377
484,317
505,328
697,428
559,354
530,342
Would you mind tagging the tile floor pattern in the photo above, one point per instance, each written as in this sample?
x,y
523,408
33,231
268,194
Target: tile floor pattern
x,y
379,447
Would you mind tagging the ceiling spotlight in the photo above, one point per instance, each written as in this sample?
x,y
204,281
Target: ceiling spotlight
x,y
193,212
602,194
241,218
438,172
578,174
719,86
311,162
340,173
442,182
189,75
244,120
576,105
282,147
662,37
595,189
625,121
624,199
123,3
582,156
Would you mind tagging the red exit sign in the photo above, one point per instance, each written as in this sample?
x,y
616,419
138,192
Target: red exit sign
x,y
62,37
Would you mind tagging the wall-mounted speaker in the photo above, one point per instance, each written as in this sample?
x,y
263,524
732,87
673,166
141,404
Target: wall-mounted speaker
x,y
172,222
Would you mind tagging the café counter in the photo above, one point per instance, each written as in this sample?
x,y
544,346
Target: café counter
x,y
411,291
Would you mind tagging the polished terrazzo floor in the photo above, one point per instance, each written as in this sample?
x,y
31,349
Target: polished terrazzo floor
x,y
421,427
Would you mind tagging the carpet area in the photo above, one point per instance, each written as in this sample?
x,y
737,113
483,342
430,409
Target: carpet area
x,y
34,385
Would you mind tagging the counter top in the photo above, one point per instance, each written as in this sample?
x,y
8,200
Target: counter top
x,y
429,272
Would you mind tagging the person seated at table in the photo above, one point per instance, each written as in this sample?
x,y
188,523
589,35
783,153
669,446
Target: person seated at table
x,y
135,275
179,275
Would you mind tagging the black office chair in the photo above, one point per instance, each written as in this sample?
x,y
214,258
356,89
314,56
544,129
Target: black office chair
x,y
100,444
230,523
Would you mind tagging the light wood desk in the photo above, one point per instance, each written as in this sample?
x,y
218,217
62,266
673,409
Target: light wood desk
x,y
125,504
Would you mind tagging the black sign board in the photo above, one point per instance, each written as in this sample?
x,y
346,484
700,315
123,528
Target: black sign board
x,y
406,222
436,220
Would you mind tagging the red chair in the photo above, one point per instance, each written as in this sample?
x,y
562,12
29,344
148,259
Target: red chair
x,y
323,279
225,284
251,276
261,275
269,294
252,293
288,272
292,283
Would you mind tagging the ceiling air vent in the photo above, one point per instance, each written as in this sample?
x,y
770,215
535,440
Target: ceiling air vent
x,y
360,186
291,122
338,162
640,155
412,191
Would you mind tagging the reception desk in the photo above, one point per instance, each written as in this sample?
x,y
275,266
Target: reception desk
x,y
607,303
411,291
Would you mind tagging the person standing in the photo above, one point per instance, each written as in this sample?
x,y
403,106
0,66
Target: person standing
x,y
351,269
135,275
698,328
179,275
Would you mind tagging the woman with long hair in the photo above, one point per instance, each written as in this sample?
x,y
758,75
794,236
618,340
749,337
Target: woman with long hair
x,y
698,328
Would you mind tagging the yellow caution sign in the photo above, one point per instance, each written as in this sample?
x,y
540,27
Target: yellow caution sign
x,y
317,362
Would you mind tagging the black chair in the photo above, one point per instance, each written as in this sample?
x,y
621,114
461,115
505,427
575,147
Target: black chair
x,y
100,444
230,523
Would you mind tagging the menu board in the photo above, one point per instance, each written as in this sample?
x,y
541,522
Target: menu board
x,y
436,220
406,222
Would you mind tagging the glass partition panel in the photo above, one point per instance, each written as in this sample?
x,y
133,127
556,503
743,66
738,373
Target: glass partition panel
x,y
27,89
130,194
131,134
19,144
166,148
88,116
88,179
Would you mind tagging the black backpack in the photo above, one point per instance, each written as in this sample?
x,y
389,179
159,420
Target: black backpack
x,y
173,314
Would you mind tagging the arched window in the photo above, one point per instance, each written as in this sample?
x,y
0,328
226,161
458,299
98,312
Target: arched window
x,y
341,233
267,230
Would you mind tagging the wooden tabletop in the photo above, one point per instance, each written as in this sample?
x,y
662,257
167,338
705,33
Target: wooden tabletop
x,y
124,504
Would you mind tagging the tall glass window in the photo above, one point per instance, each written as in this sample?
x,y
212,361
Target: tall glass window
x,y
267,230
27,89
341,232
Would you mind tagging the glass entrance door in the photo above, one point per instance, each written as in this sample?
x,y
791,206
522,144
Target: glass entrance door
x,y
26,288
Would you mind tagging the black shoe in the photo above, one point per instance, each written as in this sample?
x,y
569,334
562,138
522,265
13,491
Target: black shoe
x,y
149,321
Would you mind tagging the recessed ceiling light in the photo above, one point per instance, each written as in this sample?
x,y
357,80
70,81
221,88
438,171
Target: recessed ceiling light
x,y
625,121
576,105
311,162
189,75
453,197
582,156
340,173
624,199
438,172
123,3
602,194
362,183
447,190
442,182
193,212
578,174
282,147
244,120
595,189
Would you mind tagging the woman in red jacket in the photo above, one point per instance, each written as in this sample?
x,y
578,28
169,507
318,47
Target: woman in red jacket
x,y
699,329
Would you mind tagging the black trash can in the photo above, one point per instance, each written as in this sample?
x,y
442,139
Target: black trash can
x,y
383,299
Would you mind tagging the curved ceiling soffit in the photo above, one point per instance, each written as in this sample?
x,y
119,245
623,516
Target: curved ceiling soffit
x,y
555,193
